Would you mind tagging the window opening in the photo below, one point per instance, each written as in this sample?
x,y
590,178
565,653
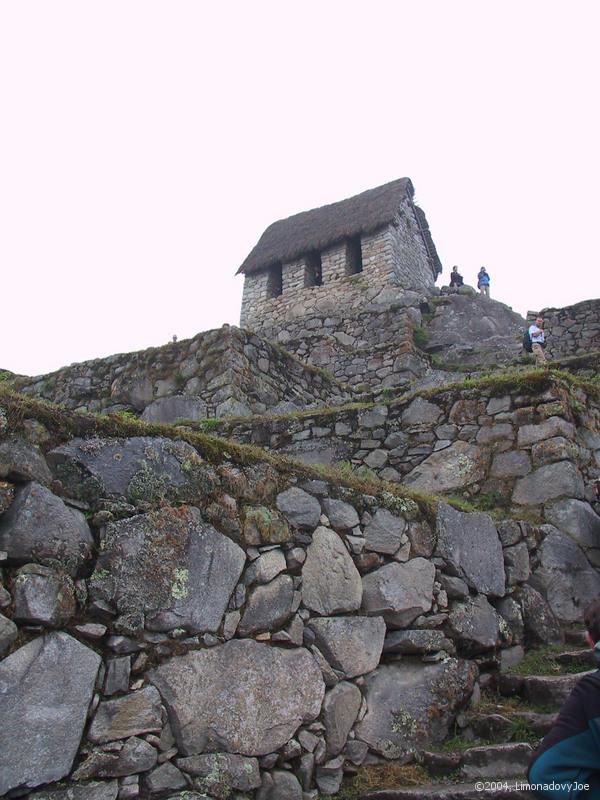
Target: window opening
x,y
313,275
354,261
274,281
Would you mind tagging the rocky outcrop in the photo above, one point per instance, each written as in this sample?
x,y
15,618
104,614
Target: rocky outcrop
x,y
474,330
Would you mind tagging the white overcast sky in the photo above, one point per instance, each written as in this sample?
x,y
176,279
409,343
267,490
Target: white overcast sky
x,y
145,146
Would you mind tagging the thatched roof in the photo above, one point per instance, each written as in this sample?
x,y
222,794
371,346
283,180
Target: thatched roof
x,y
323,227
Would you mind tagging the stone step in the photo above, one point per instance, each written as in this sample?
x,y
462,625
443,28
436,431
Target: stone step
x,y
576,636
496,760
540,690
576,657
499,726
503,790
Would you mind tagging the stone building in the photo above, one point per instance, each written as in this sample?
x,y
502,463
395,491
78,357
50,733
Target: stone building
x,y
378,239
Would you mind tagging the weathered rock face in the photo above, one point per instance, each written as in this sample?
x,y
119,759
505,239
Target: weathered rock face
x,y
220,770
400,697
242,697
475,331
330,582
168,568
565,577
171,409
457,466
470,544
340,709
475,625
105,790
43,596
141,468
352,645
136,713
269,606
301,509
385,532
47,688
22,461
580,521
38,526
399,592
540,624
548,483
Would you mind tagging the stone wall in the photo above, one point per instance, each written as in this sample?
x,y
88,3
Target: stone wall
x,y
394,256
571,330
509,450
217,373
224,626
364,340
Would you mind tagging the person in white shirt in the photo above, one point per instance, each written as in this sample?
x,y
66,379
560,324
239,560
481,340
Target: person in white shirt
x,y
538,340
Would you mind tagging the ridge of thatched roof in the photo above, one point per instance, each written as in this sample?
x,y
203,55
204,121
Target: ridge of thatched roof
x,y
323,227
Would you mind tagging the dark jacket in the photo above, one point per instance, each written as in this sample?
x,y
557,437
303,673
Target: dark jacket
x,y
570,752
456,279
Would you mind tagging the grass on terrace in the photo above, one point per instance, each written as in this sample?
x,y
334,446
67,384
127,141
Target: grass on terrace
x,y
527,379
64,424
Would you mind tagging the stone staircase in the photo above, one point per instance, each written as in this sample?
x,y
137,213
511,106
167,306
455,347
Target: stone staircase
x,y
515,713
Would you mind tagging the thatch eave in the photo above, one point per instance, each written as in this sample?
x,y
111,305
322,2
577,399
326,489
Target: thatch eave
x,y
321,228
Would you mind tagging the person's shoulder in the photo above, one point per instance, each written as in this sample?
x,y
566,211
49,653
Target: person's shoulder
x,y
588,686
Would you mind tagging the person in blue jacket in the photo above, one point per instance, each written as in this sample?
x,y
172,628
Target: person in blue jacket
x,y
483,282
566,765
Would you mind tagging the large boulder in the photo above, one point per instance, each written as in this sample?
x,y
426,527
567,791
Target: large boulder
x,y
548,483
385,533
137,712
242,697
475,331
330,581
38,526
269,606
449,470
565,577
401,698
46,689
43,596
471,546
340,710
22,461
474,624
553,426
300,509
580,521
143,469
399,592
539,623
351,645
168,566
421,413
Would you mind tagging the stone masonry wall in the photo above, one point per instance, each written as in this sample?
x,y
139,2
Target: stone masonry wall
x,y
509,451
222,627
219,372
366,342
573,329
